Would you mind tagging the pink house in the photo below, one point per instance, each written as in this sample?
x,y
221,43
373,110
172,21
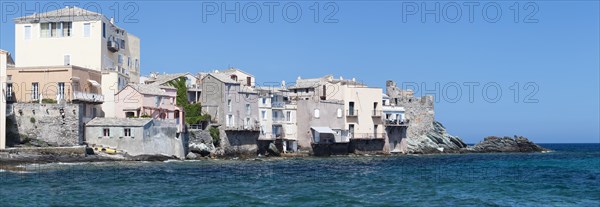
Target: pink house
x,y
151,100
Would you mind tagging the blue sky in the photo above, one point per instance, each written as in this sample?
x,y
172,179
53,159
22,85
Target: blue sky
x,y
551,51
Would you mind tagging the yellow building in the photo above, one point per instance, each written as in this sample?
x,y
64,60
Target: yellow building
x,y
77,37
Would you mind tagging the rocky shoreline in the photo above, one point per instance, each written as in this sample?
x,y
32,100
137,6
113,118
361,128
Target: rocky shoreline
x,y
436,141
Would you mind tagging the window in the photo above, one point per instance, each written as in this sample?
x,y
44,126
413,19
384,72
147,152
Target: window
x,y
263,114
34,91
86,29
264,100
127,132
230,120
306,90
137,64
339,113
157,100
106,132
103,29
229,105
122,44
128,61
61,91
27,32
317,114
120,59
55,29
9,91
66,29
288,116
67,59
247,122
248,109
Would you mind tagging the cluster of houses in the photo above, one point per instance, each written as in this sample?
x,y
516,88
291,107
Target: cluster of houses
x,y
75,56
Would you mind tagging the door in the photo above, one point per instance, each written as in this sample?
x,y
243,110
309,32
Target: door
x,y
351,108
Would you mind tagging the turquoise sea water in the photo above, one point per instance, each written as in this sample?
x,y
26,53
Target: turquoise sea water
x,y
570,176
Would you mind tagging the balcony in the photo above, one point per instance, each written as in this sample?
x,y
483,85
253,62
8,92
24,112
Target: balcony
x,y
368,136
376,113
250,127
279,105
88,97
112,46
396,123
352,112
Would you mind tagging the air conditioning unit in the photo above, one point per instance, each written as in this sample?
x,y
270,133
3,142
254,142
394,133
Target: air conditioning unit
x,y
113,46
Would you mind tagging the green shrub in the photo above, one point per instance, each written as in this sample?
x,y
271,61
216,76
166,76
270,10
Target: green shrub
x,y
32,120
216,136
48,101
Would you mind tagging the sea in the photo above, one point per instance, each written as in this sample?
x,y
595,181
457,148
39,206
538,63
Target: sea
x,y
567,176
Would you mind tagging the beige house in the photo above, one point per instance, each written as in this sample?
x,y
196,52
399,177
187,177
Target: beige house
x,y
5,62
58,83
362,112
76,37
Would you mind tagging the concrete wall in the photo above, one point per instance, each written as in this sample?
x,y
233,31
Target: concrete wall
x,y
45,122
155,138
112,83
328,117
38,51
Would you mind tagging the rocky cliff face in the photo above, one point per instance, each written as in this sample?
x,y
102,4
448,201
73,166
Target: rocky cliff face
x,y
506,144
435,140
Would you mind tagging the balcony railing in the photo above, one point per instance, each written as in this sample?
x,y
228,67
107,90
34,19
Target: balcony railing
x,y
278,105
368,136
396,122
376,113
251,127
353,112
88,97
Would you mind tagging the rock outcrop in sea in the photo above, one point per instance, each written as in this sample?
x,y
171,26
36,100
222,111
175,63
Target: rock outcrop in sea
x,y
436,140
506,144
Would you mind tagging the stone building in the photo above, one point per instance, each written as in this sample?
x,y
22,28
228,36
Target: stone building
x,y
231,100
136,136
418,117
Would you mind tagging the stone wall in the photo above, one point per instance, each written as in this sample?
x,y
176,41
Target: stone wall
x,y
239,143
51,124
423,134
366,146
419,110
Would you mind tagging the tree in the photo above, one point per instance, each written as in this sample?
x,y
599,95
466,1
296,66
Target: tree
x,y
193,112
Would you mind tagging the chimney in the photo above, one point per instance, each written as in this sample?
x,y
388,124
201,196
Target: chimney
x,y
112,20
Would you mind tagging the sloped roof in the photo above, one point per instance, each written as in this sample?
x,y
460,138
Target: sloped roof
x,y
149,89
309,83
164,78
233,70
125,122
9,59
223,78
64,12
